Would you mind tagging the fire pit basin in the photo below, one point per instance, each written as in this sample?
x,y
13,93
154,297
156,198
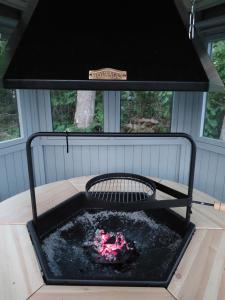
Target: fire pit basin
x,y
64,239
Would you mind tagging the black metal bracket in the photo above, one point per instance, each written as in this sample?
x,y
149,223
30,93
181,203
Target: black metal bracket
x,y
184,201
67,142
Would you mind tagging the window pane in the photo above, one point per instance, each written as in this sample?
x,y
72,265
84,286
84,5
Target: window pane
x,y
77,111
9,119
214,126
146,111
3,52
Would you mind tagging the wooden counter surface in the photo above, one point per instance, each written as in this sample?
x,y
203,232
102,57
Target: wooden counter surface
x,y
200,274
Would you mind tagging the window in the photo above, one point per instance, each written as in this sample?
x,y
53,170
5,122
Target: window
x,y
77,111
9,118
214,122
146,111
3,45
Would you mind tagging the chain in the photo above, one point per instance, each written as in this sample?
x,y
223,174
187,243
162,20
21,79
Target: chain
x,y
192,21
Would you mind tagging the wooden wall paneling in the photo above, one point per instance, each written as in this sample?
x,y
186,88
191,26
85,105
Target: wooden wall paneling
x,y
137,163
129,158
50,164
18,171
69,163
204,166
4,188
10,169
212,169
94,160
77,160
59,163
154,166
25,170
111,159
86,160
103,159
220,179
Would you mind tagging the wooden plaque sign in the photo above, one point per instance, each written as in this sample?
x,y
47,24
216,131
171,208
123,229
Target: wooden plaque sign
x,y
107,74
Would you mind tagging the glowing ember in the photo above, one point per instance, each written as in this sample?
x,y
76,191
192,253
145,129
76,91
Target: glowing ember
x,y
110,245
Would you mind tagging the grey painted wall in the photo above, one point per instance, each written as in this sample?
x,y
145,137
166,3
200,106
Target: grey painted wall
x,y
210,161
92,157
161,158
33,107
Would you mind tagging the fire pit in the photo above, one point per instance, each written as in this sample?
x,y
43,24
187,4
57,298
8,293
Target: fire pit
x,y
114,233
112,248
107,247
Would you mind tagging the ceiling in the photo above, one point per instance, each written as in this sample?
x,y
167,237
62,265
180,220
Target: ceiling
x,y
203,4
11,12
17,4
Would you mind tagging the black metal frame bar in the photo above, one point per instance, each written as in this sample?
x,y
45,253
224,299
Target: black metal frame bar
x,y
187,202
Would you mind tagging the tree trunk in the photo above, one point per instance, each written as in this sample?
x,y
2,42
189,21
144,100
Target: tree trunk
x,y
85,109
222,134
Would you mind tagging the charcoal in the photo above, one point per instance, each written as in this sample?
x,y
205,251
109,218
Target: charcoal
x,y
151,247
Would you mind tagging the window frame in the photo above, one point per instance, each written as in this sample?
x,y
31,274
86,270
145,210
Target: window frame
x,y
111,111
211,30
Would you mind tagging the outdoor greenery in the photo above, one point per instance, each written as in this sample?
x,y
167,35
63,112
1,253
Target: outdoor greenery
x,y
63,105
215,110
140,111
9,120
3,45
146,111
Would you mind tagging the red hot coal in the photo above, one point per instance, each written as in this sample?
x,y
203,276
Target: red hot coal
x,y
111,245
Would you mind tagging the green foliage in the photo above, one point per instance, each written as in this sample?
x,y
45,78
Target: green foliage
x,y
149,105
9,121
63,105
3,44
134,105
3,55
215,109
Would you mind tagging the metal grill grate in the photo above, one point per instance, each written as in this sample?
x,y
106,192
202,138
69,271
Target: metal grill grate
x,y
120,188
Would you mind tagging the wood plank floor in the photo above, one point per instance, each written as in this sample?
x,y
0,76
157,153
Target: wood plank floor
x,y
204,217
100,293
19,270
17,209
201,273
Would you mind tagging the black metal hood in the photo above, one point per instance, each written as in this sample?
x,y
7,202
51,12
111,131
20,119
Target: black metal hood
x,y
106,46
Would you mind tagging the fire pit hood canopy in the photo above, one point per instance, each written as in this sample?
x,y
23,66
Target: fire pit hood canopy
x,y
107,46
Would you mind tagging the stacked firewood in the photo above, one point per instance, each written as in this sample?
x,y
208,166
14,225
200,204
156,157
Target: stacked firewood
x,y
141,125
